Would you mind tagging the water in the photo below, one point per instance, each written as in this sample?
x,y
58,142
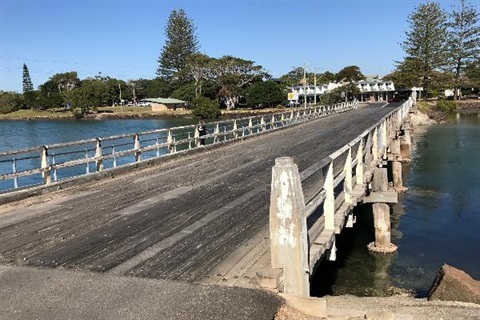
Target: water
x,y
437,221
22,134
16,135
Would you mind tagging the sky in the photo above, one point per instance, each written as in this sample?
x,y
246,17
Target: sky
x,y
123,38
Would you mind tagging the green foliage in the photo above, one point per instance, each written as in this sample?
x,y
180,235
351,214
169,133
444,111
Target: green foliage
x,y
340,94
350,73
205,108
265,94
9,102
463,40
27,82
425,43
181,41
472,72
447,106
186,92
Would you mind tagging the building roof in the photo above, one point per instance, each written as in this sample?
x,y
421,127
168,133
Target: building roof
x,y
164,100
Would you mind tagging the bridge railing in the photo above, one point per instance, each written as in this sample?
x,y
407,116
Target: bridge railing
x,y
44,165
308,208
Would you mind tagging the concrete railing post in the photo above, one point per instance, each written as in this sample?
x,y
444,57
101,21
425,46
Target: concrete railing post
x,y
235,128
196,137
329,202
47,179
359,168
348,184
98,155
288,228
136,146
216,133
375,144
250,126
262,124
273,124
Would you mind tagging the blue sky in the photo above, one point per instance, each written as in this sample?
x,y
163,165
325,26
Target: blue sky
x,y
123,38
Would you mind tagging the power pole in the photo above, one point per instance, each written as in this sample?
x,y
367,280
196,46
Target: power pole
x,y
305,85
314,86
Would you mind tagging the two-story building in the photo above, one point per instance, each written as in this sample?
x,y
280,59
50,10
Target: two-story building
x,y
370,90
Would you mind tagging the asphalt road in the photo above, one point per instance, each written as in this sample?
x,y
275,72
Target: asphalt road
x,y
178,220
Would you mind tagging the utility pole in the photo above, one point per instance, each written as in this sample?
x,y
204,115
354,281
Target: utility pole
x,y
305,85
314,86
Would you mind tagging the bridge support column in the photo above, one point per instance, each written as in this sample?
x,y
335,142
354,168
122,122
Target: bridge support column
x,y
396,165
406,142
381,213
288,228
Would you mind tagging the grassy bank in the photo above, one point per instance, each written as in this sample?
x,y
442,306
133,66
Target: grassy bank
x,y
123,112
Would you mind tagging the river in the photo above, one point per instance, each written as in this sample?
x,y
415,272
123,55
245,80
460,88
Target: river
x,y
436,221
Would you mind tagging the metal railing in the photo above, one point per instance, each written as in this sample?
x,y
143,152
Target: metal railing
x,y
44,165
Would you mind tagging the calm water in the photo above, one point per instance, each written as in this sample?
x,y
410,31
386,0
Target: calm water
x,y
437,221
23,134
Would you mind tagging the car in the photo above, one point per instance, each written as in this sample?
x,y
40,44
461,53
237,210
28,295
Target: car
x,y
393,100
143,104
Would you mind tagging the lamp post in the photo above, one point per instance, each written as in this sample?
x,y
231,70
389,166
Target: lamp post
x,y
314,86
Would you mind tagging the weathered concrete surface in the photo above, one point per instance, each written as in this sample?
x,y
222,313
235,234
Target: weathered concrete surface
x,y
198,218
452,284
30,293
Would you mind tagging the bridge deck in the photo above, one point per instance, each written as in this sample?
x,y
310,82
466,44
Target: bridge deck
x,y
198,218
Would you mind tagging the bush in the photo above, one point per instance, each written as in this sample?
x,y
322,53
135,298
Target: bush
x,y
447,106
205,108
9,102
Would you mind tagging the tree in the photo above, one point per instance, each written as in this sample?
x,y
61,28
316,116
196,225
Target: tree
x,y
9,102
27,82
265,94
472,73
199,67
293,77
181,41
349,74
205,108
463,40
29,95
66,81
425,43
234,75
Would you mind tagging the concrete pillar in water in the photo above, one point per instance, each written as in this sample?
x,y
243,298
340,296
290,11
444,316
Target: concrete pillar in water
x,y
381,215
405,143
396,165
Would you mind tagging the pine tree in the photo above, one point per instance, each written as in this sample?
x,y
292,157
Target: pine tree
x,y
426,41
181,41
464,40
27,82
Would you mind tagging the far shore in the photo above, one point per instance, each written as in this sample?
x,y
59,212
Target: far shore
x,y
126,113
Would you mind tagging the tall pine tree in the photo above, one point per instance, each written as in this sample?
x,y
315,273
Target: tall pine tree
x,y
426,41
27,82
181,41
463,40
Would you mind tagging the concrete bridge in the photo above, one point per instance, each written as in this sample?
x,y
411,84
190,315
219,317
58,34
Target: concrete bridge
x,y
261,211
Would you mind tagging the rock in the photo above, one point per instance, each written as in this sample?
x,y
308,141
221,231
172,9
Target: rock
x,y
452,284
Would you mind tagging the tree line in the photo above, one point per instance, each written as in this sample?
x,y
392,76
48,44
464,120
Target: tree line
x,y
442,51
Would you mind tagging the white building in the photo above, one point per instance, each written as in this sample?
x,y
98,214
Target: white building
x,y
370,90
